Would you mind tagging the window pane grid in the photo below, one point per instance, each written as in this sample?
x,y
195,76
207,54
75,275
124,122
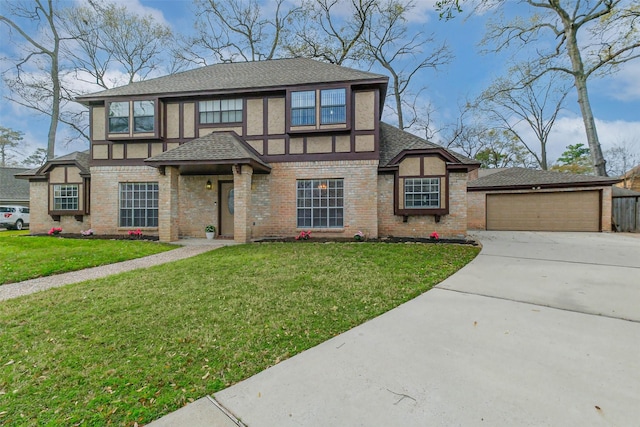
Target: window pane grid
x,y
65,197
421,193
139,204
221,111
320,203
333,106
303,108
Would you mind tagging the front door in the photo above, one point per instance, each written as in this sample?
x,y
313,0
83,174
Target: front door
x,y
226,209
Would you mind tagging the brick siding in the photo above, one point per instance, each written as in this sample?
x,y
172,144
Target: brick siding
x,y
453,224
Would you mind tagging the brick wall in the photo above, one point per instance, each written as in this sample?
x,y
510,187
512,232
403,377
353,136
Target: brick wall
x,y
452,225
104,194
41,222
274,197
476,210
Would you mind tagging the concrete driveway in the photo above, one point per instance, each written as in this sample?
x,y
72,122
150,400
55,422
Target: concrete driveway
x,y
541,329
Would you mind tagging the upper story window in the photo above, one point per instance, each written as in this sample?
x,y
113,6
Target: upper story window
x,y
333,106
421,193
303,108
221,111
143,116
119,117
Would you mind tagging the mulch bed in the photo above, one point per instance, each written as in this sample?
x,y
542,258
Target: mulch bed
x,y
389,239
101,236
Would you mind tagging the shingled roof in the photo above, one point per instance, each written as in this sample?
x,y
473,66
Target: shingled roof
x,y
241,76
394,140
217,148
77,158
513,178
13,190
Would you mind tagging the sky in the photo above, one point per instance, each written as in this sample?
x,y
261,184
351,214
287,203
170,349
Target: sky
x,y
615,99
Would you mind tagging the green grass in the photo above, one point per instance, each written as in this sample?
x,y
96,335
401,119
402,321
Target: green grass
x,y
25,257
133,347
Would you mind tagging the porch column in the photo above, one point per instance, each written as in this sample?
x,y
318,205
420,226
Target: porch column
x,y
242,203
168,205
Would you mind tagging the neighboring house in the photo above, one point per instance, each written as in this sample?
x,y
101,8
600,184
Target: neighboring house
x,y
13,191
258,149
536,200
631,179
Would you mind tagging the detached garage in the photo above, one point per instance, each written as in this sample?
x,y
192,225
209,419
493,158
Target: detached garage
x,y
522,199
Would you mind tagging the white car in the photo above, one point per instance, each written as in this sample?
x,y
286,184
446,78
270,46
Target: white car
x,y
14,217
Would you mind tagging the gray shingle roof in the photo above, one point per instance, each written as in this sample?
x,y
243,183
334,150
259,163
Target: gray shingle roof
x,y
12,189
241,76
523,177
624,192
79,158
222,147
394,140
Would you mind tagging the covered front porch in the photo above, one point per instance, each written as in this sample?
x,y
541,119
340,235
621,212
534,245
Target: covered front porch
x,y
207,181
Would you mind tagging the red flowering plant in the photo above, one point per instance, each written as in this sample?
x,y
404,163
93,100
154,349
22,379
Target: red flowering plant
x,y
434,236
54,231
304,235
135,234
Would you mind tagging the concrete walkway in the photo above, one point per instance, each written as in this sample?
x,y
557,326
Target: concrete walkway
x,y
540,329
190,247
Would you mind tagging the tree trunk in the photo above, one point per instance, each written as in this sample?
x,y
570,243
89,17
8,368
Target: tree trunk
x,y
55,108
543,157
398,99
580,80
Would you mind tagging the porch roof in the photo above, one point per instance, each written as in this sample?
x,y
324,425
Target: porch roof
x,y
213,154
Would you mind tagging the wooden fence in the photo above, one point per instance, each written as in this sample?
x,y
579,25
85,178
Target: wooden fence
x,y
626,213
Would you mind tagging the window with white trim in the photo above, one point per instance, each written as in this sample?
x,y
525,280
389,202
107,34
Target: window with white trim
x,y
65,197
221,111
320,203
421,193
138,204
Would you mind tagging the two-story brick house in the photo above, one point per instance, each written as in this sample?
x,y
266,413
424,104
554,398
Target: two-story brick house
x,y
259,149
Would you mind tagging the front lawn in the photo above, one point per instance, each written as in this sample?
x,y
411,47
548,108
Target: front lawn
x,y
131,348
25,257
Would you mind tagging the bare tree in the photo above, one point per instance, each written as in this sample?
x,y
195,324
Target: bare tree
x,y
535,104
582,38
40,90
622,157
388,43
324,32
109,39
238,30
472,136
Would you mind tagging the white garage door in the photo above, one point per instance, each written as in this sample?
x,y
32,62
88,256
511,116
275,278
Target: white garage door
x,y
561,211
